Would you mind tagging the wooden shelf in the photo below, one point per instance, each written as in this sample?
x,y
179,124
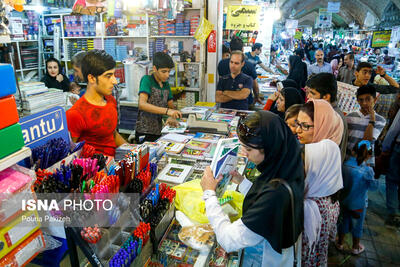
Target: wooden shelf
x,y
15,158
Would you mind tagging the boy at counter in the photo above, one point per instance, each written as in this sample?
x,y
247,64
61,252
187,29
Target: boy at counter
x,y
155,100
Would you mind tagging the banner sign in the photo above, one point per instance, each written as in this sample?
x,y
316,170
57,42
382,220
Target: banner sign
x,y
334,7
324,19
243,18
381,38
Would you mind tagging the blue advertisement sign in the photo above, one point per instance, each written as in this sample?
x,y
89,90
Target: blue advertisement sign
x,y
39,128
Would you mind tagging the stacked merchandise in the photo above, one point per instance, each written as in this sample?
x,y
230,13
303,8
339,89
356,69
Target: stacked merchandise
x,y
78,45
128,117
162,27
182,26
19,230
152,48
160,45
11,139
31,30
16,28
109,46
121,52
187,99
29,56
194,23
37,97
76,26
50,23
153,26
98,44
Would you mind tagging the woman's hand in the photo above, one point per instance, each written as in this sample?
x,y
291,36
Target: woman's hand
x,y
237,178
59,78
174,113
208,182
274,96
172,122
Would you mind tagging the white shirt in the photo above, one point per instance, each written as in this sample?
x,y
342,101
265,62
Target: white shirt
x,y
236,235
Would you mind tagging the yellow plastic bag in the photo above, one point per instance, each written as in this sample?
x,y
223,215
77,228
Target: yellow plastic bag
x,y
189,200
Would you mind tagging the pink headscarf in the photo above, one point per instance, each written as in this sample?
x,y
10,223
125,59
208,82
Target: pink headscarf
x,y
334,65
327,122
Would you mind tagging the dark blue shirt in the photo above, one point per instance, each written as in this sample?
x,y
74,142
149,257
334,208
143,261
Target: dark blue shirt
x,y
248,69
227,83
253,60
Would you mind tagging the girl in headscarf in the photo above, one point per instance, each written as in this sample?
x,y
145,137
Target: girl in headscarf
x,y
317,120
324,179
267,219
53,77
297,71
320,128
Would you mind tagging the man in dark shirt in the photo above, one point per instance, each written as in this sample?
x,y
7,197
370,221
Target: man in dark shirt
x,y
248,69
233,89
363,75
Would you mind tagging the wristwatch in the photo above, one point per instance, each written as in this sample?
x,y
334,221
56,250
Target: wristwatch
x,y
372,122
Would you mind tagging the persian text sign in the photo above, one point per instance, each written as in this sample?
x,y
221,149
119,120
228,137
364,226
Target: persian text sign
x,y
243,18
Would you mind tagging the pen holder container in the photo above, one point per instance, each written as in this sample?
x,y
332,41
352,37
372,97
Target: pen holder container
x,y
11,140
8,109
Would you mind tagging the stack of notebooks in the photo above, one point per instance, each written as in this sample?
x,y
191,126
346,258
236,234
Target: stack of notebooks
x,y
36,97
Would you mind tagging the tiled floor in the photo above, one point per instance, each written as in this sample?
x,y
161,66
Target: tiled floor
x,y
382,244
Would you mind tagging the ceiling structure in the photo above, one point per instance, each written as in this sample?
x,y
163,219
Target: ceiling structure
x,y
350,10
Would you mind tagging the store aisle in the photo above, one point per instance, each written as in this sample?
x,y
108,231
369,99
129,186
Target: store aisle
x,y
382,244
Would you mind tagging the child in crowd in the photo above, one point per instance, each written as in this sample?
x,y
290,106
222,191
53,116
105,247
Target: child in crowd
x,y
291,117
358,178
53,77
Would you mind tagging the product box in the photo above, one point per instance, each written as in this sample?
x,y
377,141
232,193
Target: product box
x,y
8,83
18,230
15,185
8,109
24,252
11,140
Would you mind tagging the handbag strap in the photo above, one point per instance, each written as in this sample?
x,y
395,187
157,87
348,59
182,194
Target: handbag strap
x,y
287,186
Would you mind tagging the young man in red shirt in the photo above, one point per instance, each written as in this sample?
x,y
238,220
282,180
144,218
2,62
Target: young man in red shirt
x,y
94,116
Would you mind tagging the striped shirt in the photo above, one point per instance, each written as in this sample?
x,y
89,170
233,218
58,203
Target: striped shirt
x,y
357,123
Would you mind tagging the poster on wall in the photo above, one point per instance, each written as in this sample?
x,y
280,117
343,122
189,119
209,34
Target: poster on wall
x,y
324,19
291,23
243,18
394,45
381,38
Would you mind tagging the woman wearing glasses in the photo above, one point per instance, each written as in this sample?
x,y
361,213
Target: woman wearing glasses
x,y
320,128
267,219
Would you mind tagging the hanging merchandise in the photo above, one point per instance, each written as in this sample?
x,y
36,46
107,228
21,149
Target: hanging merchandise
x,y
203,31
212,42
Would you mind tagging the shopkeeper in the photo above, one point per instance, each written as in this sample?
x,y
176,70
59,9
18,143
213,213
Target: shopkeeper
x,y
53,77
94,117
267,219
155,100
233,89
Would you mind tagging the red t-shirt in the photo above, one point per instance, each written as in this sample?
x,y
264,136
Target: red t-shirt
x,y
94,124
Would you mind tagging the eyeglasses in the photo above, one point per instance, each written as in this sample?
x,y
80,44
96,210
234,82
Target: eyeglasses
x,y
304,126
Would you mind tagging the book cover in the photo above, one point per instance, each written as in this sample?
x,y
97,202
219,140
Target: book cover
x,y
200,145
175,173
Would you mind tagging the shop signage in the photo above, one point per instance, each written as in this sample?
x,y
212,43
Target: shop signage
x,y
394,46
243,18
38,128
334,7
324,19
381,38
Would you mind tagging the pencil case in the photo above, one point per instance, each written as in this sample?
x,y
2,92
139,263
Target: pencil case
x,y
8,111
11,140
8,83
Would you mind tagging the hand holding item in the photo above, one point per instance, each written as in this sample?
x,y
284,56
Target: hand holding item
x,y
381,71
174,113
172,122
208,182
59,78
237,178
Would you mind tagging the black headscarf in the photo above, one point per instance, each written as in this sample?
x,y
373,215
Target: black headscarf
x,y
297,71
266,207
289,83
51,82
292,97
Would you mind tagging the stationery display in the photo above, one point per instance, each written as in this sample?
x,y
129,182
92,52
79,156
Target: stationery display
x,y
174,173
180,129
347,100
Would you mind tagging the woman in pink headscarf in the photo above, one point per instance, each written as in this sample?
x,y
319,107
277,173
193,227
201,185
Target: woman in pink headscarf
x,y
320,128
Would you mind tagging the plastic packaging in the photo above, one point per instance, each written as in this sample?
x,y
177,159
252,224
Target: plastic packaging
x,y
188,199
200,237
